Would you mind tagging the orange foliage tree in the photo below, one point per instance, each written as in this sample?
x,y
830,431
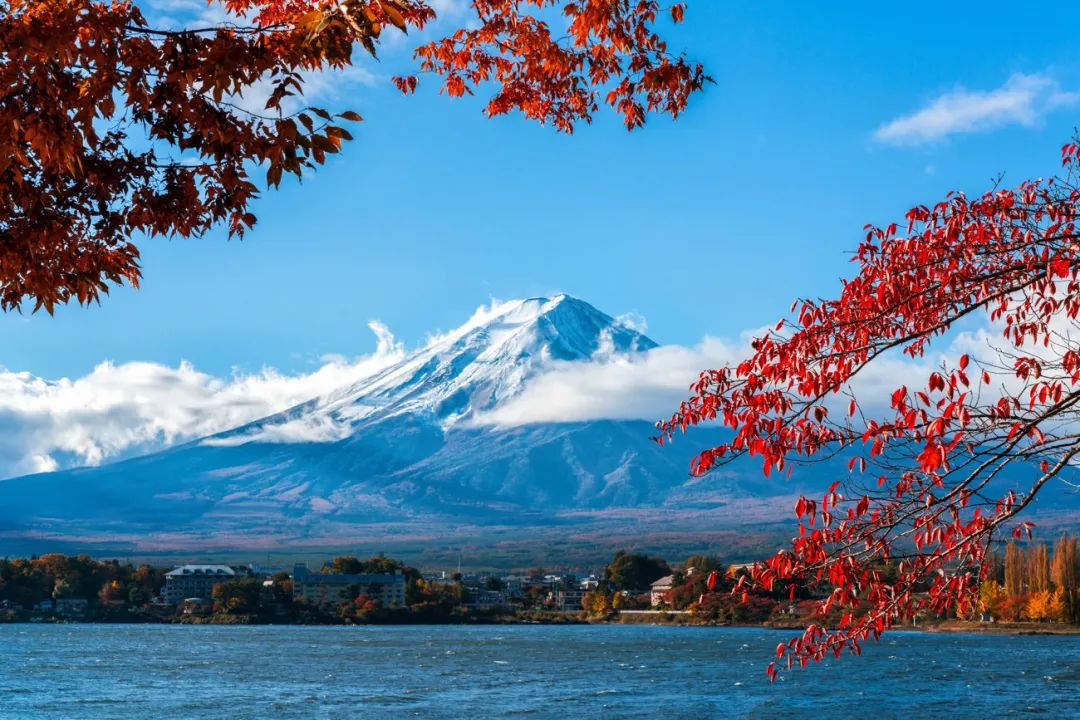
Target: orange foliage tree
x,y
111,129
925,487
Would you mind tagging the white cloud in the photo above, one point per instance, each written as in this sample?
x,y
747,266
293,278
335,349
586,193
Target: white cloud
x,y
1022,100
613,386
307,429
483,315
634,321
650,385
139,406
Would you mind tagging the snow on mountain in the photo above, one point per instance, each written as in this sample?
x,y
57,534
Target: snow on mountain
x,y
457,375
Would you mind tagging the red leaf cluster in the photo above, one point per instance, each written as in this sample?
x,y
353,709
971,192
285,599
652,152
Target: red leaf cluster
x,y
559,72
112,130
937,457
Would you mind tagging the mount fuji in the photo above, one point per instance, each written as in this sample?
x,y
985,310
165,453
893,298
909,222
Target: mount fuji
x,y
402,462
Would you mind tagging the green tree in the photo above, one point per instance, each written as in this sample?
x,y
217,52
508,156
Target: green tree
x,y
633,571
240,596
137,596
344,565
703,564
281,589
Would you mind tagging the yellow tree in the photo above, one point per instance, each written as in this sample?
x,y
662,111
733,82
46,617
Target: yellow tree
x,y
1038,569
1063,569
1055,606
1038,607
1064,573
991,596
597,602
1015,567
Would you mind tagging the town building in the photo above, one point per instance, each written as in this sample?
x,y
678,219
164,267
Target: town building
x,y
195,581
660,591
331,587
569,600
482,599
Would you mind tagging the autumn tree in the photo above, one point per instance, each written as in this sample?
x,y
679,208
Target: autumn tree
x,y
1065,572
1045,606
238,596
991,597
601,602
281,588
939,468
1038,568
115,130
1015,569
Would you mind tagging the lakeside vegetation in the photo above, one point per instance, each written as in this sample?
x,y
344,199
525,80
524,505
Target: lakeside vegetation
x,y
1030,589
1034,585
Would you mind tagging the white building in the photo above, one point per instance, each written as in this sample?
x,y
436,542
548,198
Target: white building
x,y
195,581
660,591
327,587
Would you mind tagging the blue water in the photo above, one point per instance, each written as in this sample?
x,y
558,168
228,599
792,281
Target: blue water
x,y
171,672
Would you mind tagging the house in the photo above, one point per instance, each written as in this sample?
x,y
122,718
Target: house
x,y
195,581
332,587
481,599
660,591
569,600
590,583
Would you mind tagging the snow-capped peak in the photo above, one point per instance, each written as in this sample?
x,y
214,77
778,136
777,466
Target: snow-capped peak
x,y
468,370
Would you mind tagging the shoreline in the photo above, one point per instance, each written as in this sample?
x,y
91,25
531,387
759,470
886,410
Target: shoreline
x,y
943,627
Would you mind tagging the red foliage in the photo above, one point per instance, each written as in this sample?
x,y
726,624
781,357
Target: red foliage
x,y
922,464
1012,607
609,44
727,608
114,129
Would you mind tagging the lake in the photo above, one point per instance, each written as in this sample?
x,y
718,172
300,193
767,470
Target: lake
x,y
168,672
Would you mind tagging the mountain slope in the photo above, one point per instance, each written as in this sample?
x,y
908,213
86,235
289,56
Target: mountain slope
x,y
397,463
468,371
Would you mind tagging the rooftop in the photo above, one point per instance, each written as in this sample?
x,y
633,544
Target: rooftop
x,y
198,570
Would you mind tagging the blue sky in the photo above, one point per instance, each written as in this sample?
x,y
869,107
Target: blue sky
x,y
704,226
